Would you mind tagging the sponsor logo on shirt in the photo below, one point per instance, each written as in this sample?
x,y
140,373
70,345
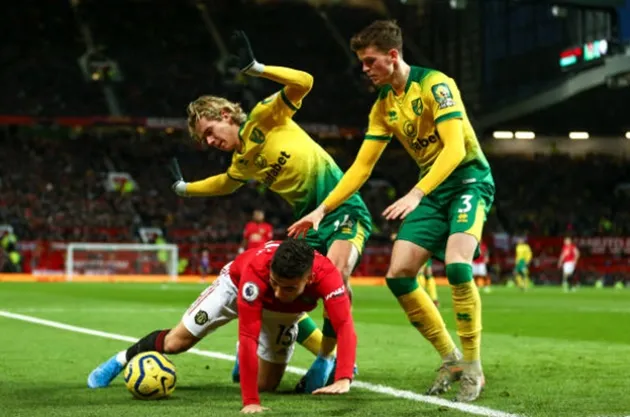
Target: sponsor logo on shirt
x,y
336,293
276,168
250,291
260,161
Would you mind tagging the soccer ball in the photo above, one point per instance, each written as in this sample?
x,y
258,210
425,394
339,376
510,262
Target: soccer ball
x,y
150,376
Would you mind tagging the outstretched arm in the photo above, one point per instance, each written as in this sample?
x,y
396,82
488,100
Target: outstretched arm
x,y
297,83
350,183
356,175
216,185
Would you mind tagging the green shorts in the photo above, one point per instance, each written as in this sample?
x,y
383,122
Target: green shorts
x,y
349,223
448,210
520,268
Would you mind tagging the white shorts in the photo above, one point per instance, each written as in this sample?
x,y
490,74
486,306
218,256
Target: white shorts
x,y
568,268
217,306
479,270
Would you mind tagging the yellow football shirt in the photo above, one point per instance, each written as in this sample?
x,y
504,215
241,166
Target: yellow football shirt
x,y
523,253
278,153
430,97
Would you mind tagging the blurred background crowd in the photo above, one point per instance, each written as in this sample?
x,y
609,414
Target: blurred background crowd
x,y
94,95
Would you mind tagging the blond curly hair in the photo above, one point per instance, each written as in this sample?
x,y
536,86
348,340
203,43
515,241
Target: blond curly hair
x,y
210,107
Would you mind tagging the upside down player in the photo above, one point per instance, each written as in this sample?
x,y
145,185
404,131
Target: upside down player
x,y
269,147
567,261
268,289
443,214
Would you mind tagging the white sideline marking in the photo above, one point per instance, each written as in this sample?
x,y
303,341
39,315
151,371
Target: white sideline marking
x,y
381,389
95,310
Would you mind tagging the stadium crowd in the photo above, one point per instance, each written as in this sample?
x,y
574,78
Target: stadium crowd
x,y
54,188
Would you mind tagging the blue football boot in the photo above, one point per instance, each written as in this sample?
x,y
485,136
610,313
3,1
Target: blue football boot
x,y
105,373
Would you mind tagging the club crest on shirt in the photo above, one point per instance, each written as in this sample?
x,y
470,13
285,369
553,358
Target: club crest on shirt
x,y
442,95
417,106
201,318
250,291
257,136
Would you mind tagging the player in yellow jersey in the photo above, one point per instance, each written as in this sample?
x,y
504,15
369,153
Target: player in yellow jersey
x,y
270,148
521,263
443,214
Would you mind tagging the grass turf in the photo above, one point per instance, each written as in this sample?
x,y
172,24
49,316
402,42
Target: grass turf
x,y
545,353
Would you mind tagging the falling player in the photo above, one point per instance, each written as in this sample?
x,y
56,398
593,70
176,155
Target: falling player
x,y
480,268
521,263
257,232
427,281
269,147
567,261
267,289
443,214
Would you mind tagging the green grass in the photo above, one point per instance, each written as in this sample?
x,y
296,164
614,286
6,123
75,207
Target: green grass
x,y
545,354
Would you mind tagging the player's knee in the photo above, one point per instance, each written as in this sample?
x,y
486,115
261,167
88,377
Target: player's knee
x,y
344,268
267,385
400,271
460,248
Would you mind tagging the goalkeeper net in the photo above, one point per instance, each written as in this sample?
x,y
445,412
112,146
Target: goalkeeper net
x,y
128,259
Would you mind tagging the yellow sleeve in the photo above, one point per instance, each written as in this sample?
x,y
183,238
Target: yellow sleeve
x,y
357,174
528,254
287,101
220,184
452,134
445,99
377,128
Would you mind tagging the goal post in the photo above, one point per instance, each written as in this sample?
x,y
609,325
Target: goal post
x,y
98,259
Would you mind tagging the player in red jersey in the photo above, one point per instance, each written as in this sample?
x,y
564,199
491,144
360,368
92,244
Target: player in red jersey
x,y
480,267
257,232
567,261
268,289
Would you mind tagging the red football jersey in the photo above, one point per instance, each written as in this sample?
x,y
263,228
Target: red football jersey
x,y
257,234
569,253
483,257
250,273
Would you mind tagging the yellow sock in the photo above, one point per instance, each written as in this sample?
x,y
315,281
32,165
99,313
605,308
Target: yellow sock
x,y
519,281
329,341
467,307
422,313
432,288
309,335
422,281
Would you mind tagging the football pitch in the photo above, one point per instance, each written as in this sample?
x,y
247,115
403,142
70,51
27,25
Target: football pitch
x,y
545,353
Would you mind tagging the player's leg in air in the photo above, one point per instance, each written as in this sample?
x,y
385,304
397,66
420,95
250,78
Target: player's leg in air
x,y
215,307
431,286
342,237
